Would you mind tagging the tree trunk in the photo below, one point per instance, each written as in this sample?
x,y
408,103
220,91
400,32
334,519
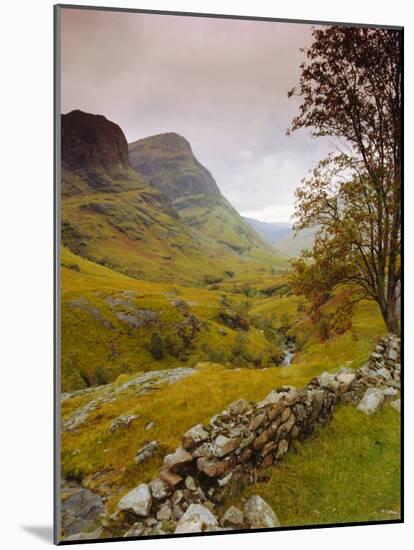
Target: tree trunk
x,y
391,317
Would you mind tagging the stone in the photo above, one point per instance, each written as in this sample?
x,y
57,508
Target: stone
x,y
138,501
177,496
171,478
393,355
300,412
245,456
275,409
192,437
178,512
150,426
346,379
81,509
225,480
372,401
266,462
122,421
205,450
197,519
257,421
164,513
238,407
384,373
258,514
286,414
245,442
267,448
272,398
213,468
146,452
159,489
390,392
190,484
233,517
262,439
396,405
224,445
282,448
328,381
176,460
287,426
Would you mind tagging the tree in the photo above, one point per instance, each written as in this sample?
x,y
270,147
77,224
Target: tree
x,y
350,87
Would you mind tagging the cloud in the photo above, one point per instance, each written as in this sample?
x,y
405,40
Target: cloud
x,y
220,83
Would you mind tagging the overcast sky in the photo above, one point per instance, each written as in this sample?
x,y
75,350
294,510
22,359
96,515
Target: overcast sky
x,y
222,84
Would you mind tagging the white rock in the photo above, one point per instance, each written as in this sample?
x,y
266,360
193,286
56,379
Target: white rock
x,y
197,519
233,517
138,501
258,514
372,401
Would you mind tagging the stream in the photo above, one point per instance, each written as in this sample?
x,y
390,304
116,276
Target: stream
x,y
289,351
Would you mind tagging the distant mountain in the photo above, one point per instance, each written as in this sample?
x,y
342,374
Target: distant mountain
x,y
282,237
292,244
271,232
168,162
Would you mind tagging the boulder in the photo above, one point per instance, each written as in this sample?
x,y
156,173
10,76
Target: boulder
x,y
258,514
196,519
176,460
146,452
372,401
138,501
233,517
192,437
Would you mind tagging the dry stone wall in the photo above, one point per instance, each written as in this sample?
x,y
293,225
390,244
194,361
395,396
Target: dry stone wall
x,y
218,459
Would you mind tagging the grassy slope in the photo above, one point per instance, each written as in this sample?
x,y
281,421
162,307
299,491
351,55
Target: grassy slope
x,y
348,471
98,346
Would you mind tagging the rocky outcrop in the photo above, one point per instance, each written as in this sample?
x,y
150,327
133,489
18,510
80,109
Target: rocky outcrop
x,y
92,141
107,393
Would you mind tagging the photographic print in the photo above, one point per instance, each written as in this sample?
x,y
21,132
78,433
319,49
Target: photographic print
x,y
228,275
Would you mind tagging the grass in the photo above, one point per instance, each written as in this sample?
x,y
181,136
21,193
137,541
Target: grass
x,y
348,471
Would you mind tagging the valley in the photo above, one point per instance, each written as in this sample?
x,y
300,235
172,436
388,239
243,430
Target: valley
x,y
173,306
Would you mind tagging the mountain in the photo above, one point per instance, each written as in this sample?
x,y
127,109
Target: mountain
x,y
271,232
282,237
168,162
292,245
117,217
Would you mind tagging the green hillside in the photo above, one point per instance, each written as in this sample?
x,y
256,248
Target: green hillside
x,y
168,162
